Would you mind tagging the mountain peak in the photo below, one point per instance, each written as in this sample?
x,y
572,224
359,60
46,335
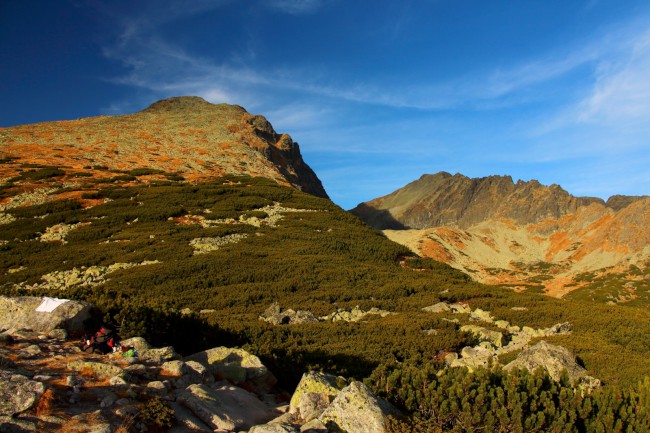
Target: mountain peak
x,y
186,136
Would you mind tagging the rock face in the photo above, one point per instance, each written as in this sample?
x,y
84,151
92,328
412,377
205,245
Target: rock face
x,y
521,234
237,366
20,313
190,135
445,200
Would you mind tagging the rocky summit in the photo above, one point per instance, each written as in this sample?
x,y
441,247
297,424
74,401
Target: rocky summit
x,y
181,137
524,235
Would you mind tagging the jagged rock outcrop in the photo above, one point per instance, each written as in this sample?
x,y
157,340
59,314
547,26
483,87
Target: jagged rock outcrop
x,y
445,200
521,234
554,360
275,316
20,313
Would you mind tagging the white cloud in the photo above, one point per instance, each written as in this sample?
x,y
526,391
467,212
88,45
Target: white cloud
x,y
621,94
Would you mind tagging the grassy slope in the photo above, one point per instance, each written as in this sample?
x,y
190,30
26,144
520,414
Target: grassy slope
x,y
317,261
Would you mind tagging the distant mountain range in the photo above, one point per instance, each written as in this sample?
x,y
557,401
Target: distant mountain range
x,y
524,235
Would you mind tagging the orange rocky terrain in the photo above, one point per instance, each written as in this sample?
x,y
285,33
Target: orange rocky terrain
x,y
525,235
177,138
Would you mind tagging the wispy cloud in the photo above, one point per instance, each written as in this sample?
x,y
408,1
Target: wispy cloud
x,y
296,7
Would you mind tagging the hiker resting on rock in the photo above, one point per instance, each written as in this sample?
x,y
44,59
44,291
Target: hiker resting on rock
x,y
103,342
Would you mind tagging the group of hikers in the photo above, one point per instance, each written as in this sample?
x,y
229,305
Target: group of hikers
x,y
106,341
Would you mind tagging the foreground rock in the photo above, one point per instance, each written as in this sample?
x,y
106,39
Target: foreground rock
x,y
18,393
314,393
226,407
357,410
20,313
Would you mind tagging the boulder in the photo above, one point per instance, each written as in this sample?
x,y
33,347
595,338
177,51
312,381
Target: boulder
x,y
18,393
237,366
99,369
494,337
226,407
460,308
553,359
20,313
273,428
440,307
481,315
473,357
313,426
275,316
316,383
138,343
312,405
357,410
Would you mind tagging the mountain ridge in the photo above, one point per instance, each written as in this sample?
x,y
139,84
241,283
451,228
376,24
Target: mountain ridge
x,y
183,135
523,235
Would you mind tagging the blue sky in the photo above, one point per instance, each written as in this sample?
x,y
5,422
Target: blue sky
x,y
377,93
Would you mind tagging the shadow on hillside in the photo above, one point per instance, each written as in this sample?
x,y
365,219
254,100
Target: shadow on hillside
x,y
289,366
378,219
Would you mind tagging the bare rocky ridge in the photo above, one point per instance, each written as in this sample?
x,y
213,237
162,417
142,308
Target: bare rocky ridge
x,y
524,234
182,135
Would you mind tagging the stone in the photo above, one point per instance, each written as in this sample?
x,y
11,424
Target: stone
x,y
559,329
237,366
553,359
160,355
138,343
440,307
187,421
460,308
503,324
357,410
481,315
473,357
494,337
275,316
59,334
18,393
313,426
173,368
19,313
312,405
108,400
99,369
318,383
274,428
226,407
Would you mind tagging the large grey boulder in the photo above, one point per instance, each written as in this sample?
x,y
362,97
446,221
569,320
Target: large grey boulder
x,y
237,366
18,393
320,384
226,407
357,410
553,359
20,313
